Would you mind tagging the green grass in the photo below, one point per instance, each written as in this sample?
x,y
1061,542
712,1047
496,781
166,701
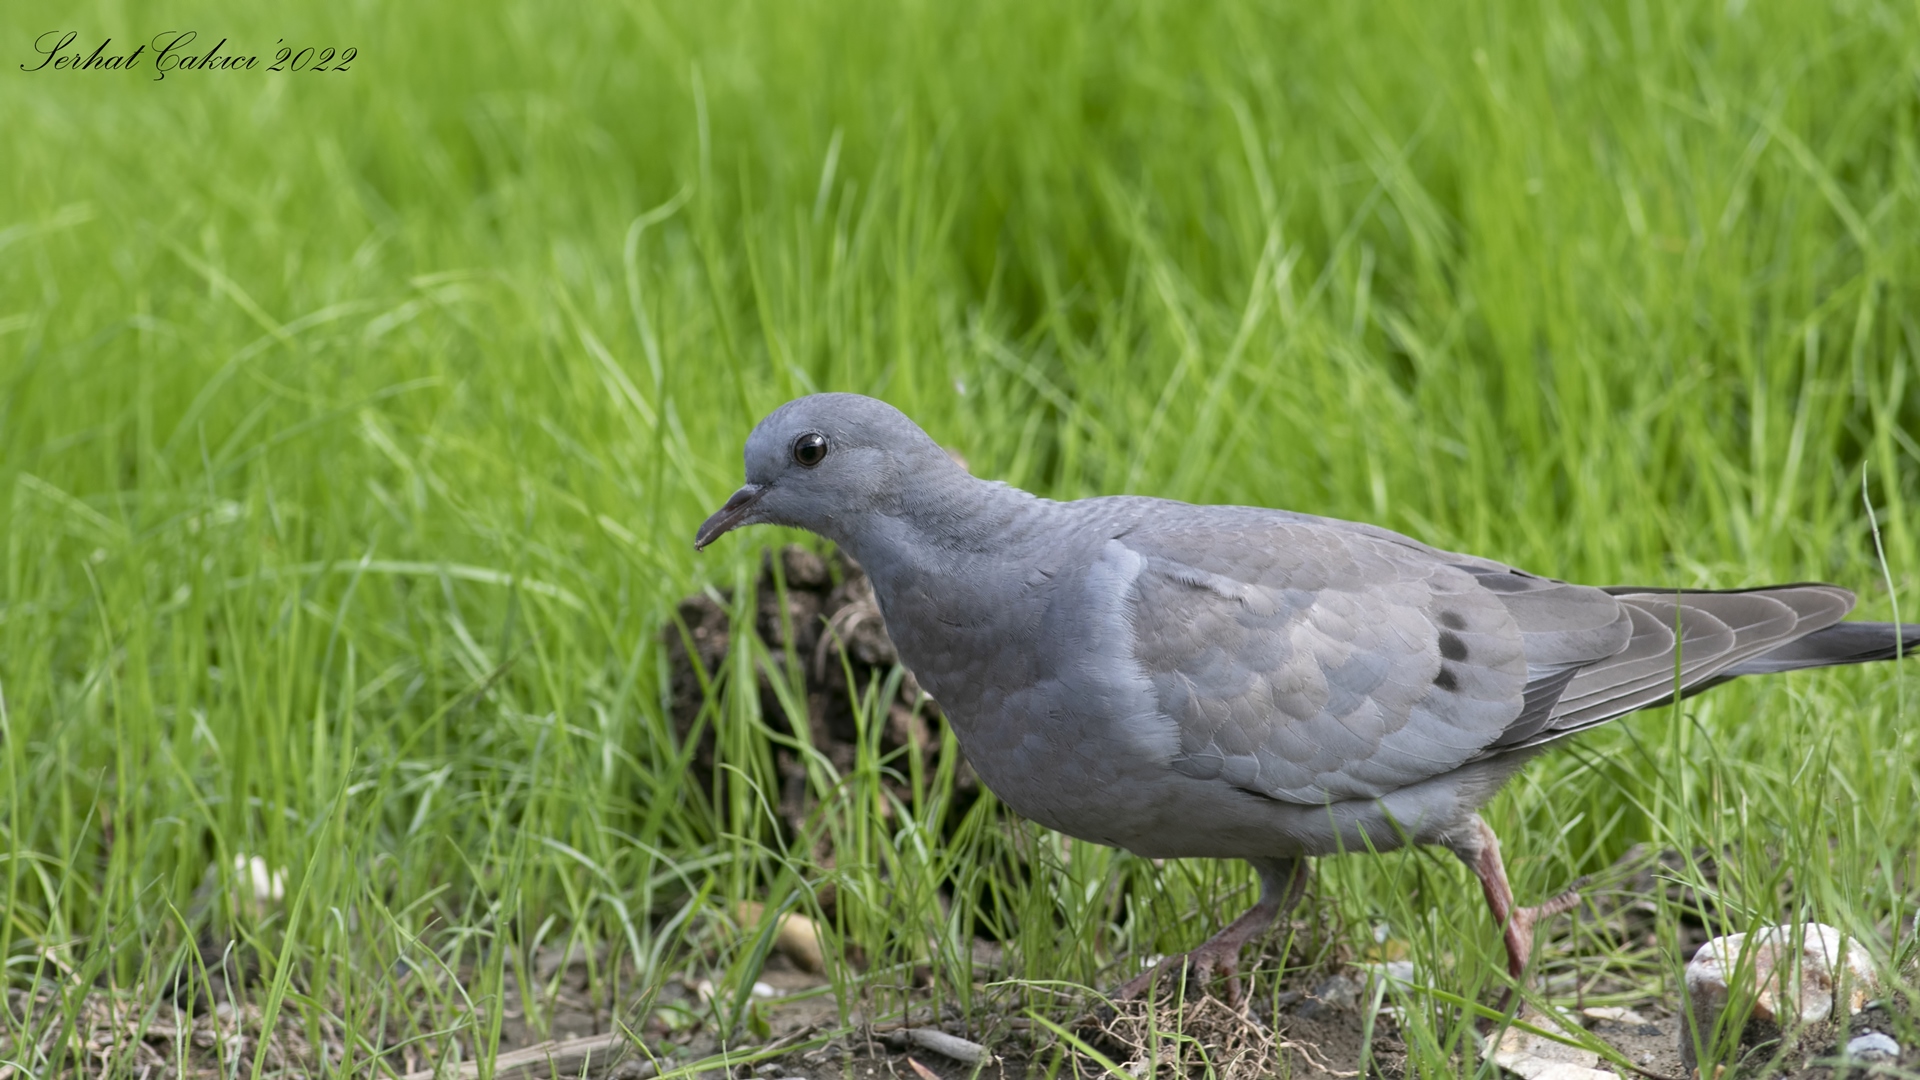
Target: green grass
x,y
354,427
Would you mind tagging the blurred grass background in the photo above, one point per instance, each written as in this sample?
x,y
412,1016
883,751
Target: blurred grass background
x,y
354,427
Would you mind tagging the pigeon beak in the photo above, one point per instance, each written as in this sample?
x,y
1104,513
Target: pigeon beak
x,y
728,517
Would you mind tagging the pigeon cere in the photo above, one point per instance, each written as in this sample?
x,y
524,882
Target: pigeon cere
x,y
1185,681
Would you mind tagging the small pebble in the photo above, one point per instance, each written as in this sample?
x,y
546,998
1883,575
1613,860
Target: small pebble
x,y
962,1050
1873,1048
1397,972
1337,991
1825,975
706,990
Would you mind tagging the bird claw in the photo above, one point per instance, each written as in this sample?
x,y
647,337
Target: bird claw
x,y
1561,904
1194,968
1144,981
1522,922
1281,882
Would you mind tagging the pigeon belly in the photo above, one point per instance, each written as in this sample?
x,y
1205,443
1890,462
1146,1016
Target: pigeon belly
x,y
1076,773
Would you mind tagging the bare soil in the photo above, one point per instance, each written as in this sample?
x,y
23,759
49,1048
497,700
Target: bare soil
x,y
1314,1022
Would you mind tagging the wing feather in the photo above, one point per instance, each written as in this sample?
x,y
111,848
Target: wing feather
x,y
1311,660
1311,664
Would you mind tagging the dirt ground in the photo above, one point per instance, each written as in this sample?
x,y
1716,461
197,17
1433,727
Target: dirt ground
x,y
1326,1018
1320,1029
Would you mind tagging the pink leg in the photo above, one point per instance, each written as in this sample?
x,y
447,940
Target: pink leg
x,y
1282,881
1481,851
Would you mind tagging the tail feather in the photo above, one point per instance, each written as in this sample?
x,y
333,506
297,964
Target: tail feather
x,y
1841,643
1690,640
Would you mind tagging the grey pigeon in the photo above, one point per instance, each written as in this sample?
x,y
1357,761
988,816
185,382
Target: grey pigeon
x,y
1236,682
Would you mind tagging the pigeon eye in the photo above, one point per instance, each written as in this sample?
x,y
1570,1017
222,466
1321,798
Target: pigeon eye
x,y
808,449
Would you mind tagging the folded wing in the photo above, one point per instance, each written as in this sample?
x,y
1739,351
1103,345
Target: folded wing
x,y
1311,660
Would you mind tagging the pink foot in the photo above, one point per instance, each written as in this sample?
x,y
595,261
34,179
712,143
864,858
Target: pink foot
x,y
1281,883
1215,957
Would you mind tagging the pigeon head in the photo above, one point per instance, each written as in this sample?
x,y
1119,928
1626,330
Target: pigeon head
x,y
827,463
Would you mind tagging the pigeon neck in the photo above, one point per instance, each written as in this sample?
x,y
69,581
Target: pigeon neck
x,y
943,528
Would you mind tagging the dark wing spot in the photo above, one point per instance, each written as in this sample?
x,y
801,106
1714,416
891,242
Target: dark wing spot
x,y
1451,646
1445,679
1453,620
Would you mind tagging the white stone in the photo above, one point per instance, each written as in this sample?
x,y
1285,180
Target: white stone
x,y
1791,987
1535,1057
1616,1013
258,884
1873,1047
1395,973
1788,987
